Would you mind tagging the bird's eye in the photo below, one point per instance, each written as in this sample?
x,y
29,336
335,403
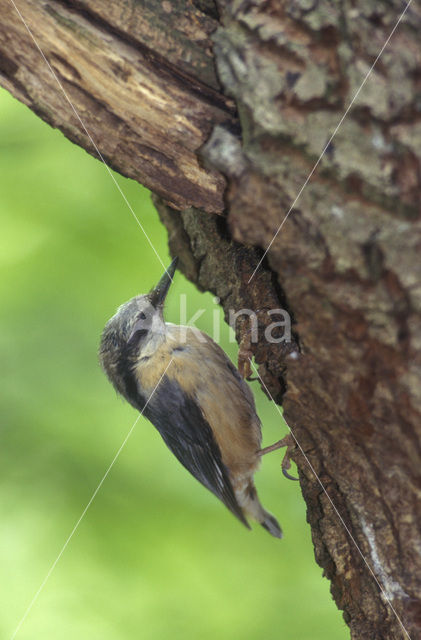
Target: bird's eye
x,y
139,328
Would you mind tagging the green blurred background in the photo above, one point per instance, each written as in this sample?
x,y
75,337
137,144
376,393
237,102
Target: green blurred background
x,y
156,555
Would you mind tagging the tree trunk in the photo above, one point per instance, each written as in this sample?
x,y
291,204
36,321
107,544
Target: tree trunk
x,y
345,263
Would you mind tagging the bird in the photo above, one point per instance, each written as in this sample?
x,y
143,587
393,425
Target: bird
x,y
186,386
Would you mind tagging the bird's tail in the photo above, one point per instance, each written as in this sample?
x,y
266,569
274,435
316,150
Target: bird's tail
x,y
249,501
271,524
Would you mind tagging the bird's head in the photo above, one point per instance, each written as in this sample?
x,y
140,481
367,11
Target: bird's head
x,y
136,330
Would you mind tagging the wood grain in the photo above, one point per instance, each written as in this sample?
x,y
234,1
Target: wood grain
x,y
143,84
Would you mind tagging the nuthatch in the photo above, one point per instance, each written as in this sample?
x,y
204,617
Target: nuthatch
x,y
202,407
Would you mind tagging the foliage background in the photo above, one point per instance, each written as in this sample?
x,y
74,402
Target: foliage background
x,y
156,555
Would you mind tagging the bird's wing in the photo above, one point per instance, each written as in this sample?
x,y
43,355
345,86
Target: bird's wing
x,y
188,435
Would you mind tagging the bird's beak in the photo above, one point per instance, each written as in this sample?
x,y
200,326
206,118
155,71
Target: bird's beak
x,y
159,293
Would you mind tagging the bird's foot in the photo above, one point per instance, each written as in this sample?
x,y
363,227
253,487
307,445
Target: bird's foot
x,y
288,442
245,354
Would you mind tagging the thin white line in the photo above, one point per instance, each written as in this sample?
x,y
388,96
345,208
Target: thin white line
x,y
50,571
331,502
86,131
330,140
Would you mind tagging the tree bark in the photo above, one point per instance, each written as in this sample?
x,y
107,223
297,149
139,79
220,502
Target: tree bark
x,y
145,90
346,262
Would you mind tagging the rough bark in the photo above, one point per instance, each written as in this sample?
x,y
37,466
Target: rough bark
x,y
348,263
143,84
345,264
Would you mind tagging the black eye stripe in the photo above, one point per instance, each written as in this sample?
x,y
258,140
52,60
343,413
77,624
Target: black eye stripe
x,y
136,337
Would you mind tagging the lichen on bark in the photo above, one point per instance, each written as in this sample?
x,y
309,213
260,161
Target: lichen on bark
x,y
346,261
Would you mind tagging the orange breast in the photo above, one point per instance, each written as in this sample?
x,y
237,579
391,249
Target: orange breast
x,y
202,370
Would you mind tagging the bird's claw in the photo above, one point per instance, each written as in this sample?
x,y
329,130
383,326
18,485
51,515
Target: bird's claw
x,y
245,355
288,442
286,464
